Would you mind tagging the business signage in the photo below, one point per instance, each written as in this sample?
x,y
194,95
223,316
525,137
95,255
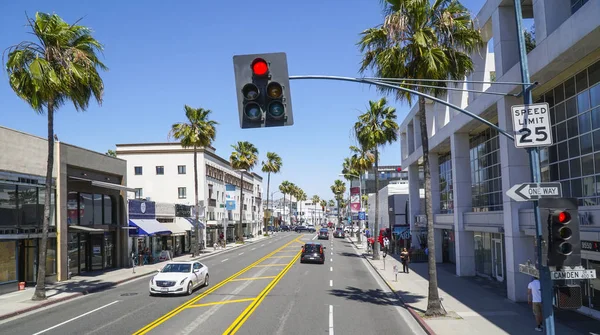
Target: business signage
x,y
590,246
139,209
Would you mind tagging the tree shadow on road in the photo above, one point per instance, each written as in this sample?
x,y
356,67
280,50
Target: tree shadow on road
x,y
373,296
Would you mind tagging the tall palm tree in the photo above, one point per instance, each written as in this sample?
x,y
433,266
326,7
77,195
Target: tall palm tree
x,y
362,161
197,131
62,65
301,198
422,39
350,173
244,157
338,188
323,205
376,127
284,188
272,165
294,192
315,200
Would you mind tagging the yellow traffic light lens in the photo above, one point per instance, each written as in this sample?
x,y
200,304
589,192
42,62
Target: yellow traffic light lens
x,y
565,233
276,110
250,92
565,248
274,90
252,112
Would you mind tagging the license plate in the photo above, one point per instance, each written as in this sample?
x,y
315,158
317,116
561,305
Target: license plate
x,y
164,289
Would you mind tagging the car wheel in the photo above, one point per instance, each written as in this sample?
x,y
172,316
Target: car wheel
x,y
206,280
190,289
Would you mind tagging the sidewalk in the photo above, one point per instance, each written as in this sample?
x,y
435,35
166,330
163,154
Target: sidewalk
x,y
472,307
20,302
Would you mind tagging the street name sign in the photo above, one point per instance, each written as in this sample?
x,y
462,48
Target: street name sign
x,y
573,274
533,191
529,270
531,125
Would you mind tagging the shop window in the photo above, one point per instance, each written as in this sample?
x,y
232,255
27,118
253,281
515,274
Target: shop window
x,y
98,209
8,205
86,207
8,261
28,205
109,217
51,257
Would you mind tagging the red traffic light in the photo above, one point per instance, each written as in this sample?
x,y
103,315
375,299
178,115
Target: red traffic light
x,y
564,217
260,67
398,169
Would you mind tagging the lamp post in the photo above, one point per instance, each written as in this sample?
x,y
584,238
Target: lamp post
x,y
360,222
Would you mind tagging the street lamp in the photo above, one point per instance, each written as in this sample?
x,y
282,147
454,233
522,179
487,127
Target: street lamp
x,y
360,222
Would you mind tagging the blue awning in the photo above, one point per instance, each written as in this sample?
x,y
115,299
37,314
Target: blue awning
x,y
148,227
193,223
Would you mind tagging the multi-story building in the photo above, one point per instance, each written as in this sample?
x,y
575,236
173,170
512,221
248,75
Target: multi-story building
x,y
88,210
473,166
387,174
164,172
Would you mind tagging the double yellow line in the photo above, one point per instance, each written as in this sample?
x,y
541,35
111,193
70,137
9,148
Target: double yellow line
x,y
180,308
241,319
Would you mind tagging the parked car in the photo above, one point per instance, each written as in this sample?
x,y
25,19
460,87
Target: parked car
x,y
179,278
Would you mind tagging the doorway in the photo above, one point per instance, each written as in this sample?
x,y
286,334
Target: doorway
x,y
28,265
497,260
591,291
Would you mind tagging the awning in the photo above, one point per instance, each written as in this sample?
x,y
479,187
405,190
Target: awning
x,y
84,229
111,186
193,223
184,224
148,227
174,228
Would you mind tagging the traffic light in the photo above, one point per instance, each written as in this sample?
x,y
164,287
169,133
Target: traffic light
x,y
263,90
560,227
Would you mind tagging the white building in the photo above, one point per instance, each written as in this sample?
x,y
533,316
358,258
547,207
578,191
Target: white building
x,y
473,166
164,172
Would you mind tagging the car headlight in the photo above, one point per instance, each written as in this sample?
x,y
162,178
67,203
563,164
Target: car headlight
x,y
183,281
152,281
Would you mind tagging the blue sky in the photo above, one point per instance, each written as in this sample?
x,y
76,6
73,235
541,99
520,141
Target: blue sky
x,y
162,55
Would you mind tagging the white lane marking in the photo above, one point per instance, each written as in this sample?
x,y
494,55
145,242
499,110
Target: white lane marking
x,y
253,249
331,268
75,318
315,237
241,253
330,319
331,260
262,245
332,253
226,259
330,282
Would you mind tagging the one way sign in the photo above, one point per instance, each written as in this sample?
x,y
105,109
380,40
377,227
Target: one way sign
x,y
532,191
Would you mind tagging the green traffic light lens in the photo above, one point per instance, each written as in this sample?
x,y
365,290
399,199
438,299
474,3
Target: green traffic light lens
x,y
565,233
276,110
274,90
250,92
252,111
565,248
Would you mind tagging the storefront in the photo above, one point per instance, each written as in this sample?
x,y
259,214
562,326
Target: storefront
x,y
590,288
448,246
151,240
489,255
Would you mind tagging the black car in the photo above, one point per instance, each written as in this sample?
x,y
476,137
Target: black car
x,y
313,252
323,234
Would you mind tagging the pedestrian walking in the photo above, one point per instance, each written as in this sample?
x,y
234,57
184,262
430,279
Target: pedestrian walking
x,y
534,297
405,258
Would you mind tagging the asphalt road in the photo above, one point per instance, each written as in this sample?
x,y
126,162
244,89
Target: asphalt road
x,y
261,288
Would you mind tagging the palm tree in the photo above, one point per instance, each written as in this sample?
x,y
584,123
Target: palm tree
x,y
244,157
301,198
421,39
197,131
62,65
272,165
338,188
111,153
362,161
376,127
323,205
293,191
350,174
315,200
284,188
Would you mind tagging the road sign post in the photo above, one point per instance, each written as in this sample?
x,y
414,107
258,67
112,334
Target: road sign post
x,y
534,191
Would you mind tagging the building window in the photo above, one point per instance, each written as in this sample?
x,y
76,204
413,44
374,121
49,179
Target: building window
x,y
446,194
160,170
574,159
51,257
181,169
181,192
139,193
576,4
8,261
137,170
486,185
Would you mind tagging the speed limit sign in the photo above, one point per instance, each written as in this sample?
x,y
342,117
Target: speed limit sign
x,y
531,125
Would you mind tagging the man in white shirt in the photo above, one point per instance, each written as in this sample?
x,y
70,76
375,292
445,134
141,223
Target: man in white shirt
x,y
534,297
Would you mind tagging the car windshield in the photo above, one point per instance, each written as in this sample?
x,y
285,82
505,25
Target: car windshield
x,y
311,248
173,267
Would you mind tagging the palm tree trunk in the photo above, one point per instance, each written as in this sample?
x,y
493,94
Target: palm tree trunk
x,y
40,287
268,184
240,227
376,223
434,306
283,208
197,223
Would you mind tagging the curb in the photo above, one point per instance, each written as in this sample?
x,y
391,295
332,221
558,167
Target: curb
x,y
98,288
412,312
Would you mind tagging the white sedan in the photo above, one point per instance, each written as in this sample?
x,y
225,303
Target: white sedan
x,y
179,278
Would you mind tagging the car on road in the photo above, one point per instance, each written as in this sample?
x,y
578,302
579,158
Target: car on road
x,y
339,232
305,229
313,252
179,278
323,234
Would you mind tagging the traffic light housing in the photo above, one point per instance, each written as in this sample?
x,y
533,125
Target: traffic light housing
x,y
263,90
560,229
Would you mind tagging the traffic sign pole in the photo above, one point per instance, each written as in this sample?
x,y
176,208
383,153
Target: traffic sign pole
x,y
534,163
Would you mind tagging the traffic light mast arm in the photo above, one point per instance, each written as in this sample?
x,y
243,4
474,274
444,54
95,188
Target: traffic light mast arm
x,y
408,90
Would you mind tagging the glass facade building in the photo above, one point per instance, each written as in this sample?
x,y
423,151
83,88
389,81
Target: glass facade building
x,y
486,185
